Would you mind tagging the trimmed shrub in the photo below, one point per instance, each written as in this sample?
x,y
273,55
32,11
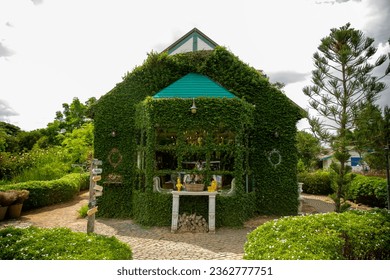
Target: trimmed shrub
x,y
318,182
155,209
233,211
43,193
34,243
152,209
352,235
370,191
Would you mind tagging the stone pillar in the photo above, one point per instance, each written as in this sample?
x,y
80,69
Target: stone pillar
x,y
300,198
212,213
175,212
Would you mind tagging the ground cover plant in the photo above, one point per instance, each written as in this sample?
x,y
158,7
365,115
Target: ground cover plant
x,y
34,243
352,235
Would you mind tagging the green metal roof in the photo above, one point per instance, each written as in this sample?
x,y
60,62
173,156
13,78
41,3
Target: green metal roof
x,y
193,86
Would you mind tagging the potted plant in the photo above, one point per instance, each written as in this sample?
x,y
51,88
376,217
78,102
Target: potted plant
x,y
6,199
15,209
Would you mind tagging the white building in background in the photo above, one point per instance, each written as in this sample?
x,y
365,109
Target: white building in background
x,y
355,161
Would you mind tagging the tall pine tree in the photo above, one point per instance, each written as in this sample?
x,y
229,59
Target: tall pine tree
x,y
342,81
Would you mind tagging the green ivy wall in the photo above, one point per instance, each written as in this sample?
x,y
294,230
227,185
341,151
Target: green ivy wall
x,y
270,138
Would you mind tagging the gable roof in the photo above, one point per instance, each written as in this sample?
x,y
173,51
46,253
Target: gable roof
x,y
194,40
194,85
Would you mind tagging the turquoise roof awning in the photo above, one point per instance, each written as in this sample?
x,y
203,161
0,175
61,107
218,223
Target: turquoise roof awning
x,y
194,85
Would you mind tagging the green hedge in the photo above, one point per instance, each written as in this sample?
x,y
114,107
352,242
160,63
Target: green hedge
x,y
233,211
152,209
352,235
318,182
43,193
34,243
155,209
371,191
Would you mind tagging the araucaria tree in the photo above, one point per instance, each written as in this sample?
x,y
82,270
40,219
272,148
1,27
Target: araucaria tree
x,y
343,81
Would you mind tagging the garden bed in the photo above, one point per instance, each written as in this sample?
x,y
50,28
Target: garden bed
x,y
34,243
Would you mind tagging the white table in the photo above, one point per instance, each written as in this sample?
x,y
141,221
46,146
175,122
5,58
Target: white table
x,y
175,207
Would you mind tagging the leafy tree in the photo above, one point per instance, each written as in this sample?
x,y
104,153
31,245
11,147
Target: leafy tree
x,y
27,139
309,148
3,142
75,114
342,81
79,143
372,134
8,137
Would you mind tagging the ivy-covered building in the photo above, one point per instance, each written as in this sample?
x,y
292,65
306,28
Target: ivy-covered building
x,y
196,112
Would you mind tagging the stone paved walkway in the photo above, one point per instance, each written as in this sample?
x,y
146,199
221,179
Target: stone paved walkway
x,y
322,204
152,242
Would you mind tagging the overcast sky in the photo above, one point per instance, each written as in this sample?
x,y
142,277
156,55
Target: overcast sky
x,y
54,50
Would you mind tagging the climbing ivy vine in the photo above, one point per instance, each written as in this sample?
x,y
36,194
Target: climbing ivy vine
x,y
262,118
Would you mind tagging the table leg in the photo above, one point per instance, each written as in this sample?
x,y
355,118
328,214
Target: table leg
x,y
212,213
175,212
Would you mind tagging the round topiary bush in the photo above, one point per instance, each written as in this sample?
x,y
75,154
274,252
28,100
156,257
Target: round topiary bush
x,y
352,235
34,243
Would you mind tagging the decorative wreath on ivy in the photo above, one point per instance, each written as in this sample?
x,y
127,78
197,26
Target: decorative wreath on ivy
x,y
114,157
274,158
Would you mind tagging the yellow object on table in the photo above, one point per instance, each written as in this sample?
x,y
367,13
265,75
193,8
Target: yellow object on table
x,y
179,185
213,186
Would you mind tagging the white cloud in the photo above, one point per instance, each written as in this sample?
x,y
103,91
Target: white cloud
x,y
6,111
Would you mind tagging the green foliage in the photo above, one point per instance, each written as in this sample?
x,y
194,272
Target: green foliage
x,y
37,164
43,193
244,208
343,81
152,209
34,243
340,181
318,182
115,202
9,137
372,134
78,144
274,118
155,209
83,211
309,148
352,235
75,115
215,117
371,191
42,164
51,162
